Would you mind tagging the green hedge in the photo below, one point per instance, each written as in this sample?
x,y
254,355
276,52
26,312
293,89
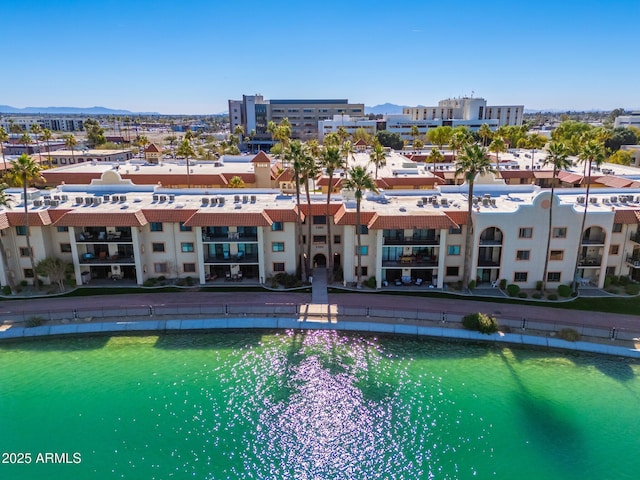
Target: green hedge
x,y
480,322
564,290
513,290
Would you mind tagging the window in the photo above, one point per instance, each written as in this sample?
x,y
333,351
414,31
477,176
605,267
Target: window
x,y
556,255
520,276
364,250
319,220
65,247
186,247
21,230
336,239
183,228
28,273
277,226
453,250
320,239
277,247
617,228
157,247
63,229
160,267
525,232
304,239
364,230
455,231
156,226
560,232
553,276
614,249
24,252
278,267
188,267
453,271
523,254
364,271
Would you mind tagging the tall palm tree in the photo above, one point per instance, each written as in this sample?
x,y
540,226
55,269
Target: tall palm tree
x,y
71,142
485,134
458,140
47,136
473,161
308,171
185,149
5,202
36,129
348,151
359,181
415,133
26,140
331,160
4,137
293,155
558,157
533,142
435,157
142,142
378,157
23,171
591,152
497,146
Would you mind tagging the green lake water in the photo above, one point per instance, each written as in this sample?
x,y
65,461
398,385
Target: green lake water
x,y
314,405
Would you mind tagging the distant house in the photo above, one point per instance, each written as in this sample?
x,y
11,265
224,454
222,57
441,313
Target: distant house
x,y
153,153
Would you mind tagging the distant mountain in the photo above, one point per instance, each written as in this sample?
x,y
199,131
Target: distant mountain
x,y
71,110
385,108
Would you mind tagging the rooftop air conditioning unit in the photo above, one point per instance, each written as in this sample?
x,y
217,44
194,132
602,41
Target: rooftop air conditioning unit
x,y
56,197
37,203
475,200
623,198
221,200
445,201
205,200
253,199
88,200
419,203
214,200
78,200
614,199
172,198
580,199
55,203
245,198
163,198
46,202
493,202
485,202
155,198
97,201
106,198
236,199
238,205
64,198
594,200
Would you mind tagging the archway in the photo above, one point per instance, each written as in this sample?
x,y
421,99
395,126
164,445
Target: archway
x,y
319,261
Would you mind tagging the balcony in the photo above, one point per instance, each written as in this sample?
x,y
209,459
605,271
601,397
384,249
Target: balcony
x,y
488,262
633,261
489,241
635,237
590,261
103,236
402,240
593,236
222,235
103,259
411,261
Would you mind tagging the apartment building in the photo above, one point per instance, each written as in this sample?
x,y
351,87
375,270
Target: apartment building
x,y
114,229
469,109
55,124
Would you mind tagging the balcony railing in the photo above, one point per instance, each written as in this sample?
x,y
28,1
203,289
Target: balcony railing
x,y
103,259
228,259
635,237
485,262
490,240
412,261
593,240
103,237
232,237
590,261
633,261
411,240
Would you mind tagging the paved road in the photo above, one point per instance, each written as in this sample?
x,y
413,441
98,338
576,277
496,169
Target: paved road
x,y
389,302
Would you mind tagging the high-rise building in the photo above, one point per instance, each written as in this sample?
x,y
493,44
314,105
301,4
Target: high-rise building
x,y
467,108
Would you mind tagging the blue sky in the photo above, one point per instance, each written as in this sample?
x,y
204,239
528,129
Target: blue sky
x,y
191,57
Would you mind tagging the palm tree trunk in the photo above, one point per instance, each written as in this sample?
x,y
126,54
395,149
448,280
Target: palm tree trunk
x,y
546,258
48,153
188,174
468,244
303,267
26,221
359,243
330,239
584,219
309,218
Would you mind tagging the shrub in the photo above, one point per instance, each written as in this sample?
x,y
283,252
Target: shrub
x,y
536,295
24,283
287,280
632,289
552,296
503,284
162,278
564,290
371,282
189,281
6,290
522,295
608,280
480,322
622,280
35,322
569,334
150,282
472,284
539,285
513,290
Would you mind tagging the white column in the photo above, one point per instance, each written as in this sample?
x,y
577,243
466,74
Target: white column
x,y
442,255
200,255
137,255
378,254
261,255
74,256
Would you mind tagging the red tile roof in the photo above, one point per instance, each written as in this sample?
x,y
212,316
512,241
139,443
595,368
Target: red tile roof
x,y
168,215
153,148
228,219
508,174
104,219
410,181
4,221
436,221
320,208
348,217
36,219
324,182
460,218
246,177
614,182
568,177
282,215
261,157
627,216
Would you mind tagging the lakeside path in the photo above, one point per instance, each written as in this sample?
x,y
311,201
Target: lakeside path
x,y
388,302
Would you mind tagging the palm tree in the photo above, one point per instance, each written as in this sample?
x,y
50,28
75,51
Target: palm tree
x,y
4,137
23,171
36,129
70,142
331,160
348,151
591,152
308,171
236,182
473,161
359,180
186,150
5,202
497,146
485,134
293,155
533,142
47,136
26,140
142,142
378,157
558,157
415,133
439,136
459,139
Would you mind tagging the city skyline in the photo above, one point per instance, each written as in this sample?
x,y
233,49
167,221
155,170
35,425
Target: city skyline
x,y
157,57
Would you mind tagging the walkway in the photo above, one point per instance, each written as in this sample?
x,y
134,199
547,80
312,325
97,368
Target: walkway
x,y
319,294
